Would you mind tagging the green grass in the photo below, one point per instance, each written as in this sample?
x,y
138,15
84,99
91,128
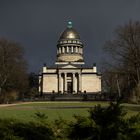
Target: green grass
x,y
63,104
27,115
26,111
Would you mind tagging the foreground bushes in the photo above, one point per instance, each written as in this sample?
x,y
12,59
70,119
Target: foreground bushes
x,y
16,130
105,124
102,124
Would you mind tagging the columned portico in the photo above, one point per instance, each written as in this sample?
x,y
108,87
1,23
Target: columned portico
x,y
67,80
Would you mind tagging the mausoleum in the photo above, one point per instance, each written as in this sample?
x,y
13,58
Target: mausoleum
x,y
69,74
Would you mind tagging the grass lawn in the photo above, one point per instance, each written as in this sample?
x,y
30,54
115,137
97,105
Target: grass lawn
x,y
53,110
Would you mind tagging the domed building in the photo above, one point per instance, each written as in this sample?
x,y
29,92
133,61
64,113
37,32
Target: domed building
x,y
70,76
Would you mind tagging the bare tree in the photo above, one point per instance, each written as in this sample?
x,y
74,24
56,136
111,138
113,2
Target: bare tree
x,y
12,68
124,51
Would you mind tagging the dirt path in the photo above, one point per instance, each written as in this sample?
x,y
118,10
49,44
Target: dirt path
x,y
20,103
7,105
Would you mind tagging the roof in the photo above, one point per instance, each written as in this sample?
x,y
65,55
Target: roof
x,y
69,32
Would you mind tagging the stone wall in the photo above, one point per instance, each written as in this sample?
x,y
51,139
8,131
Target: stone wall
x,y
50,83
91,83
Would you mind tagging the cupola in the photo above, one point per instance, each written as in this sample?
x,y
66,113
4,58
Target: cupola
x,y
69,46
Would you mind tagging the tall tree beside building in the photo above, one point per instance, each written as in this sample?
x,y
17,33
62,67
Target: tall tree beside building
x,y
13,69
124,50
33,85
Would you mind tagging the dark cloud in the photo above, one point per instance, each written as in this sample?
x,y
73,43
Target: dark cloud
x,y
37,24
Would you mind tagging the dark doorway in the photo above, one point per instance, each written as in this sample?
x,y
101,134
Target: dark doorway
x,y
69,87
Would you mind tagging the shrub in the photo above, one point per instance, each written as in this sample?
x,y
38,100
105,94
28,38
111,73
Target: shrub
x,y
60,128
105,124
16,130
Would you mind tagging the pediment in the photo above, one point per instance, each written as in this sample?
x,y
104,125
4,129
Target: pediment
x,y
69,66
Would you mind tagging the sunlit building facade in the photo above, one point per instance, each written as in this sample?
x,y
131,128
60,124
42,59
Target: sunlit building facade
x,y
70,75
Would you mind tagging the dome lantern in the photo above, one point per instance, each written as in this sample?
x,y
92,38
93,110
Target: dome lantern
x,y
69,24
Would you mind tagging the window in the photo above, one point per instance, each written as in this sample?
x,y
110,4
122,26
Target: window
x,y
65,50
69,49
74,49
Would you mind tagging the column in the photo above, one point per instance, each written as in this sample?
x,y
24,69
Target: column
x,y
73,80
81,50
60,83
80,82
67,49
72,49
65,82
78,50
59,50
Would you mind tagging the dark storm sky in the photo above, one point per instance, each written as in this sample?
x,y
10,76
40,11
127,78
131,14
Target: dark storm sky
x,y
37,24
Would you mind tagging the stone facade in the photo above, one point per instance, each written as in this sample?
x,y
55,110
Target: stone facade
x,y
71,57
69,75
